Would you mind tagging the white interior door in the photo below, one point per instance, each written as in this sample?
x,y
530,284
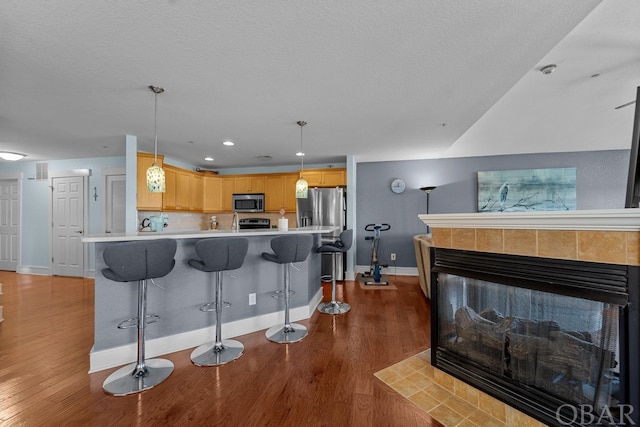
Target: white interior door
x,y
68,223
115,204
9,224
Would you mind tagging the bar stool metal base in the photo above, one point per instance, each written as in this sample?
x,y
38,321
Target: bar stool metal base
x,y
334,307
286,334
211,354
124,381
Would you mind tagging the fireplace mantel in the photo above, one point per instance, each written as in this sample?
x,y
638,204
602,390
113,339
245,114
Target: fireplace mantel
x,y
610,236
601,219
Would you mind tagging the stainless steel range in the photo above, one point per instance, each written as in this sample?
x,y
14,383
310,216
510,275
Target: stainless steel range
x,y
254,223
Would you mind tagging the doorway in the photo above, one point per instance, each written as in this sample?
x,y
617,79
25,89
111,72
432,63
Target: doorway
x,y
9,224
115,201
68,219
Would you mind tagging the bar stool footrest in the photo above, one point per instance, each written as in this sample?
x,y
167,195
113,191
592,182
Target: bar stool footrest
x,y
132,322
211,306
280,294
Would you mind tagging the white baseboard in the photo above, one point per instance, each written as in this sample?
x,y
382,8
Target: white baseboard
x,y
118,356
40,271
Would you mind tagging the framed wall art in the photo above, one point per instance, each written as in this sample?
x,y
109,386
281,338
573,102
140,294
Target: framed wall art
x,y
550,189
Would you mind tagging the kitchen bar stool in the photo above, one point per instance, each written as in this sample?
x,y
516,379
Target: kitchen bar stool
x,y
218,255
287,250
139,261
342,245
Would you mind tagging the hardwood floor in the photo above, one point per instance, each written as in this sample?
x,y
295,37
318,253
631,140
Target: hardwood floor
x,y
325,380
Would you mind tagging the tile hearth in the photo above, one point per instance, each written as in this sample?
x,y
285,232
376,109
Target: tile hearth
x,y
450,401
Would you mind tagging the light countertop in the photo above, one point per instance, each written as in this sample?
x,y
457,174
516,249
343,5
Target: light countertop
x,y
200,234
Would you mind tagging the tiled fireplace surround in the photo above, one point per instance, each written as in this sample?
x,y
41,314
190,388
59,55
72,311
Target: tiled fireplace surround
x,y
606,236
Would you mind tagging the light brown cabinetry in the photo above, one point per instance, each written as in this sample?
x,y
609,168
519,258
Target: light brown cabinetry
x,y
250,184
274,193
146,200
212,194
228,188
184,190
290,204
331,177
280,192
196,190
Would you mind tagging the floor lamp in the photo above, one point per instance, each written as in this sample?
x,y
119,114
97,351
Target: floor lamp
x,y
427,190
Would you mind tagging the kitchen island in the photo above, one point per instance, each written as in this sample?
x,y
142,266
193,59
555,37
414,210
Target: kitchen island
x,y
176,298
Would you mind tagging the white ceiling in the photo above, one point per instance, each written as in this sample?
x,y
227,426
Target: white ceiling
x,y
375,79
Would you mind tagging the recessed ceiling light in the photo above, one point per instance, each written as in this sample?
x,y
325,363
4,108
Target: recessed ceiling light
x,y
299,154
209,159
11,156
228,143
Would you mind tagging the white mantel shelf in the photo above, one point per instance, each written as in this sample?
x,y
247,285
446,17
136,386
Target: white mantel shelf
x,y
602,219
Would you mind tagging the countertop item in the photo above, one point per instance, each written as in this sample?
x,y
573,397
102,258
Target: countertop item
x,y
199,234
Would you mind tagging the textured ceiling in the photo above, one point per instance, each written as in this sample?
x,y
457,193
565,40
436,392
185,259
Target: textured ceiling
x,y
375,79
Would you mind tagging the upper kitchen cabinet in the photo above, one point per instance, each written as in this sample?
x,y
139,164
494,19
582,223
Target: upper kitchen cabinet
x,y
228,188
250,184
196,190
146,200
330,177
177,196
212,194
280,192
290,203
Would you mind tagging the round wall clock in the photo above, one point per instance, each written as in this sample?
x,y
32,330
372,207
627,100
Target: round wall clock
x,y
398,186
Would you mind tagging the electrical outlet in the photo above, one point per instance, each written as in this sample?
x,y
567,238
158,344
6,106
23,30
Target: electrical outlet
x,y
252,299
393,256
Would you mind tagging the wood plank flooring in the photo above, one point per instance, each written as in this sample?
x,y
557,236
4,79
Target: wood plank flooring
x,y
325,380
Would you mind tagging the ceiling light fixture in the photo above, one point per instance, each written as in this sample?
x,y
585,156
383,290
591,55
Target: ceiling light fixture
x,y
12,157
155,174
302,186
228,143
209,159
548,69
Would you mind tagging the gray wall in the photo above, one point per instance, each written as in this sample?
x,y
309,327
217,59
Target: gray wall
x,y
601,184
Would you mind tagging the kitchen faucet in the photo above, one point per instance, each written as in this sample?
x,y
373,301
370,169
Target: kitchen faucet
x,y
235,222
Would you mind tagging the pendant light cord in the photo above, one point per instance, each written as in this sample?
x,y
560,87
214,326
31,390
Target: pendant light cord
x,y
156,90
301,123
155,127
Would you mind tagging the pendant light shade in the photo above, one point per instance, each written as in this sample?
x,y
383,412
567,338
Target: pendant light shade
x,y
302,186
155,174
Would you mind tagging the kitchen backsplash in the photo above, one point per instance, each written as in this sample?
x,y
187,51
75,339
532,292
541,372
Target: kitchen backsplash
x,y
179,221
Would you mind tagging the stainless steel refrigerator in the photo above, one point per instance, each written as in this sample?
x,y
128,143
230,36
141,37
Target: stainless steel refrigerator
x,y
325,206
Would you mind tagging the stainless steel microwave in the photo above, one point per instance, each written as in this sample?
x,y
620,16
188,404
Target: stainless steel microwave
x,y
250,202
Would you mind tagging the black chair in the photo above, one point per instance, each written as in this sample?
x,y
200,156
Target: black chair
x,y
342,245
139,261
218,255
288,249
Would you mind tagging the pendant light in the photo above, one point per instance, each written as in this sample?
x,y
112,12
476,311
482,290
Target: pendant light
x,y
155,174
302,187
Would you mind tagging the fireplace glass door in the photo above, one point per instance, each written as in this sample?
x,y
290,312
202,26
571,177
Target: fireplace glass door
x,y
561,345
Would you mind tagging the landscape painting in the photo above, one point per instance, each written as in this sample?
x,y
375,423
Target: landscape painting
x,y
551,189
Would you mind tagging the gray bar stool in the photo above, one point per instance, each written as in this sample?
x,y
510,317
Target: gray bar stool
x,y
139,261
288,249
343,244
218,255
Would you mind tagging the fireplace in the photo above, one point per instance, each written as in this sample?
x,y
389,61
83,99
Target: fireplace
x,y
556,339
